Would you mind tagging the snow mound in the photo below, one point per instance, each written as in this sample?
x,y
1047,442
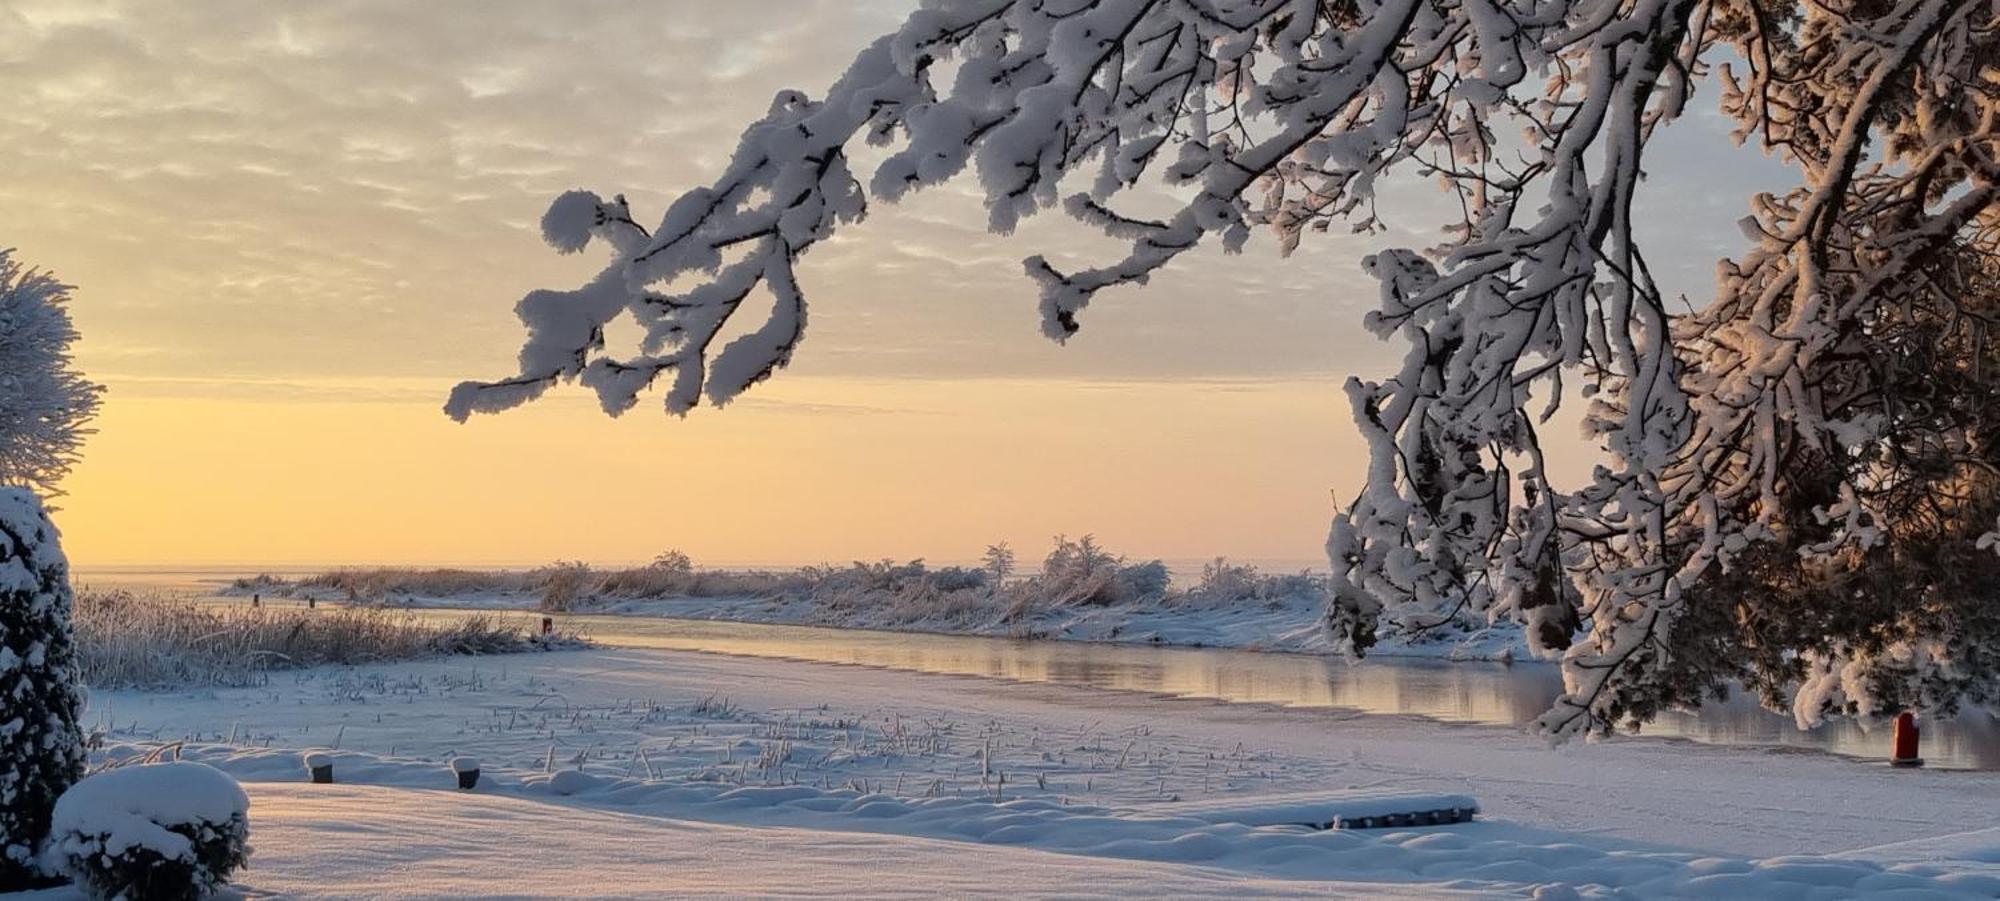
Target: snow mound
x,y
1325,810
1978,846
570,782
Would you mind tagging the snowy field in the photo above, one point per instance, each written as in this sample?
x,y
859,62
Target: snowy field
x,y
638,773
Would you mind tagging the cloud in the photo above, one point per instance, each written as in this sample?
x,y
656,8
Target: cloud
x,y
298,190
347,187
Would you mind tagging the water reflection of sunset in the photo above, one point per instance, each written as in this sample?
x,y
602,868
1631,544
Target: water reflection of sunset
x,y
1456,692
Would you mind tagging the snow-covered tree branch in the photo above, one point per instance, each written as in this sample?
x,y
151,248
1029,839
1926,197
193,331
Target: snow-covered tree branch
x,y
1827,419
45,403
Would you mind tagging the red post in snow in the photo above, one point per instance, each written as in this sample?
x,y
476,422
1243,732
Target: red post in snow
x,y
1905,753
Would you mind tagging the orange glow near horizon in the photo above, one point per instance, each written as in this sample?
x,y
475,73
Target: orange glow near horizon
x,y
939,470
292,227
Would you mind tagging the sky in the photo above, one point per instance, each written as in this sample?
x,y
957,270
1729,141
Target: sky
x,y
292,226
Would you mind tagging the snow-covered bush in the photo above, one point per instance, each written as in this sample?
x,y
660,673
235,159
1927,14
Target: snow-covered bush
x,y
41,745
156,832
899,592
878,576
673,562
1080,572
1223,582
562,584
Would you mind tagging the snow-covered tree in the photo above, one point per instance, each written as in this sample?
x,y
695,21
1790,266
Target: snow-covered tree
x,y
998,562
41,743
1821,422
45,403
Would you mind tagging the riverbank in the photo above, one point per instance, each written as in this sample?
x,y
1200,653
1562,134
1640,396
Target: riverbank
x,y
1107,602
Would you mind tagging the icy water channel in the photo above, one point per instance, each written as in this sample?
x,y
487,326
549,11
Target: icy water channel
x,y
1482,693
1479,693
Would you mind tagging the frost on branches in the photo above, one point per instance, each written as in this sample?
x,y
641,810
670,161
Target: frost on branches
x,y
41,744
44,402
1797,483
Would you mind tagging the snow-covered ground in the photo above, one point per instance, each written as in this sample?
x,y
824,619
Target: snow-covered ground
x,y
704,773
380,842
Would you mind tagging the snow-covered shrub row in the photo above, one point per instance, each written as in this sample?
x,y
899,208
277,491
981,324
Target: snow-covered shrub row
x,y
364,584
1223,581
1076,573
158,832
558,584
128,640
910,589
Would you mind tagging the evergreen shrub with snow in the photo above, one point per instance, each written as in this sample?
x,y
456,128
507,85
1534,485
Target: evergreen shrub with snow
x,y
41,745
159,832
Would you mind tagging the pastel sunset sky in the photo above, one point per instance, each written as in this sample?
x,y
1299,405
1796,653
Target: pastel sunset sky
x,y
294,225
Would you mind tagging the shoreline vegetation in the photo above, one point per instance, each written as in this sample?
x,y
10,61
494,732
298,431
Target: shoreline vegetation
x,y
131,640
1079,591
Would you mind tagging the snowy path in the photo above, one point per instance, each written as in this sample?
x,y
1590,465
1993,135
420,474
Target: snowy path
x,y
845,725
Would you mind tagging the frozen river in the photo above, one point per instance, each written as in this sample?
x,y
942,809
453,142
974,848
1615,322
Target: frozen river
x,y
1456,692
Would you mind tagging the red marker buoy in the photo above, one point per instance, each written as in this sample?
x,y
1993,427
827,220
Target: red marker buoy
x,y
1905,753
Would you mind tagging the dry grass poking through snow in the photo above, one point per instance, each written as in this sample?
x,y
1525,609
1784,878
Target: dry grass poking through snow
x,y
132,641
1076,574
